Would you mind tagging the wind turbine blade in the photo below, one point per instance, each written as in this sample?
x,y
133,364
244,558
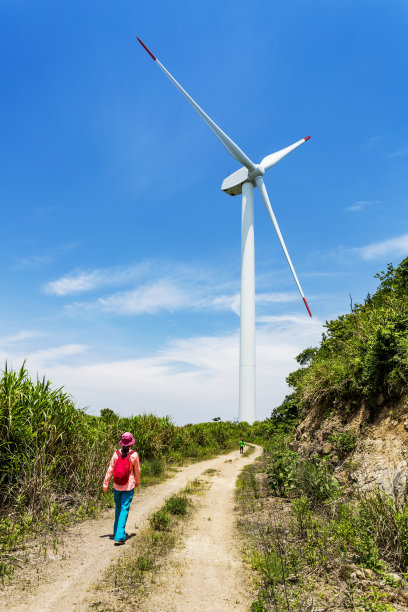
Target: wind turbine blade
x,y
271,160
262,189
229,144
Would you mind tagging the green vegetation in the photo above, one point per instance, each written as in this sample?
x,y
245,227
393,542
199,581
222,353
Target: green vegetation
x,y
364,354
53,457
344,442
177,505
322,550
324,546
291,475
159,521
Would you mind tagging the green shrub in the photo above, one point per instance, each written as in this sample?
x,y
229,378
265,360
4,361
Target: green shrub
x,y
344,442
387,523
160,520
144,564
281,471
291,475
363,353
177,505
314,479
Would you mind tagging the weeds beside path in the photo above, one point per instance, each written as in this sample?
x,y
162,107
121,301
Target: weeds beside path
x,y
62,581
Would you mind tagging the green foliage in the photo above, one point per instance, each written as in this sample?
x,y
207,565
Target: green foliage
x,y
372,532
374,601
291,475
177,505
282,471
154,467
144,564
344,442
388,523
160,520
362,354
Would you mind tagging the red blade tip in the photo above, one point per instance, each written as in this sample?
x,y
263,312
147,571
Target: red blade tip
x,y
306,137
146,49
307,306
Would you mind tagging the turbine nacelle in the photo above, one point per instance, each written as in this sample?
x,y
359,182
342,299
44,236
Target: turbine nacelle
x,y
233,183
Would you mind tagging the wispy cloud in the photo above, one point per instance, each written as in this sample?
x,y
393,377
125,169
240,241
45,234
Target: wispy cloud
x,y
58,353
168,295
161,295
82,281
21,336
401,152
152,286
47,257
370,142
362,204
396,247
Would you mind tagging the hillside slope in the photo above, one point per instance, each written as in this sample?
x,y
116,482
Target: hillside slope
x,y
351,391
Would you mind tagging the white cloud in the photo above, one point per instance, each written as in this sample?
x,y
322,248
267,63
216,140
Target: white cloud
x,y
396,247
362,204
227,302
165,294
162,295
370,142
159,287
57,353
73,284
82,281
276,298
192,379
402,152
45,258
21,336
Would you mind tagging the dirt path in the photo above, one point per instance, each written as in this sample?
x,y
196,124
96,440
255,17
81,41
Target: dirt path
x,y
63,580
205,571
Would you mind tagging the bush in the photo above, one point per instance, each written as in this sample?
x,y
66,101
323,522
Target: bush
x,y
363,353
387,522
160,520
177,505
144,564
344,442
291,475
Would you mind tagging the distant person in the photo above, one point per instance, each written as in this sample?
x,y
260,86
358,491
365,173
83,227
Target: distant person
x,y
125,469
241,446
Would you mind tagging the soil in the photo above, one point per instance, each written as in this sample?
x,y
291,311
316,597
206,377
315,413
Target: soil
x,y
380,456
206,568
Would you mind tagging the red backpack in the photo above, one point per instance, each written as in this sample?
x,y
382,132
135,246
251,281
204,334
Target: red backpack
x,y
122,468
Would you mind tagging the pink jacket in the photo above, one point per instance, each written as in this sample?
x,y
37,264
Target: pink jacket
x,y
134,476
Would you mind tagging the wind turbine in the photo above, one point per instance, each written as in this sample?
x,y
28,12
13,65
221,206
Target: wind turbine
x,y
242,182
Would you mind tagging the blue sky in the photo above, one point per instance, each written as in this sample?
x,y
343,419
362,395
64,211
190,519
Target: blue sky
x,y
121,255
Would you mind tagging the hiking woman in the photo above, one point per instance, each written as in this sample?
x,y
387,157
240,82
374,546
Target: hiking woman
x,y
125,468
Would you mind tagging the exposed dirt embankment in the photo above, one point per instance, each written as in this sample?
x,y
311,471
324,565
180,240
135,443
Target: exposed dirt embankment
x,y
377,456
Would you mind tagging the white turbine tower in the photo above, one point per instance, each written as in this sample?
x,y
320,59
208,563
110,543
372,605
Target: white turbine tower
x,y
242,182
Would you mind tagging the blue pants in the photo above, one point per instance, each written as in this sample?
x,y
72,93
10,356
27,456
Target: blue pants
x,y
123,500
